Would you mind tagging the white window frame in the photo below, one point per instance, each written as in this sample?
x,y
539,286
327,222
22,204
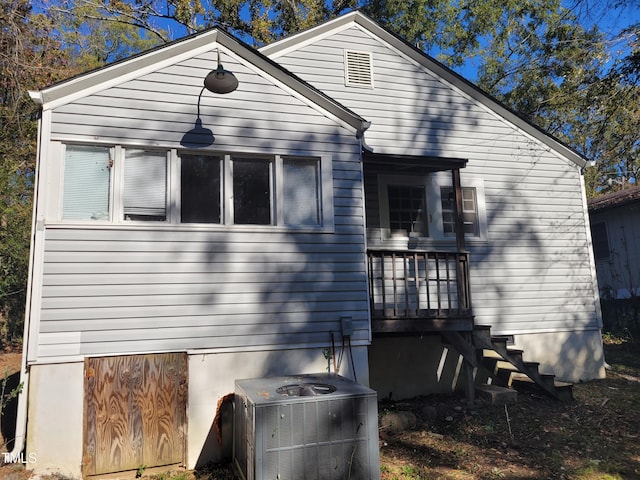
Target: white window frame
x,y
384,182
432,184
443,179
113,152
117,154
121,159
229,198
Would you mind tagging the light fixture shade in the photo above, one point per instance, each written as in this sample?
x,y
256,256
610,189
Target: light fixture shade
x,y
220,80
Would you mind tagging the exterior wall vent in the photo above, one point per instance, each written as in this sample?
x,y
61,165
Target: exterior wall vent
x,y
358,69
321,427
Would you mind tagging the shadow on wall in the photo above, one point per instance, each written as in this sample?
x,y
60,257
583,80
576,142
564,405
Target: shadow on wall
x,y
405,367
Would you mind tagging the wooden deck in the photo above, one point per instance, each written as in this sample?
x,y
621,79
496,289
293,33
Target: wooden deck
x,y
419,291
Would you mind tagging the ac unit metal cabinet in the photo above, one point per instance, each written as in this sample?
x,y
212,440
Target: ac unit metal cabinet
x,y
305,427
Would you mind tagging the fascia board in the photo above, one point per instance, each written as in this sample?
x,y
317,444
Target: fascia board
x,y
468,88
119,72
298,40
128,69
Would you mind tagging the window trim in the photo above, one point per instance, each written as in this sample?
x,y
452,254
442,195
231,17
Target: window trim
x,y
432,184
366,57
113,152
173,191
443,179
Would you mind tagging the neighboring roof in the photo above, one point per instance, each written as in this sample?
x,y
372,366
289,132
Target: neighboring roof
x,y
615,199
117,72
292,42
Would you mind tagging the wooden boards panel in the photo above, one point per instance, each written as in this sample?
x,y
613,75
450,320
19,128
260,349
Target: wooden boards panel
x,y
134,412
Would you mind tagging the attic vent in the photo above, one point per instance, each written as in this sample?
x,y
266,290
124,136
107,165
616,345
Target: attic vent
x,y
359,71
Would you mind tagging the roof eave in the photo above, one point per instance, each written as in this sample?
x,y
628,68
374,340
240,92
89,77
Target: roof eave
x,y
55,94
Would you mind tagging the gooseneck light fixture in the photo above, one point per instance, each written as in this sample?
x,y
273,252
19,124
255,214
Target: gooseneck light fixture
x,y
220,80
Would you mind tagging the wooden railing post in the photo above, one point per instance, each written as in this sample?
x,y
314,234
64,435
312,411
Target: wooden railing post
x,y
462,269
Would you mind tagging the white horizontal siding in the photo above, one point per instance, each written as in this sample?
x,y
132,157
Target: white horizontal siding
x,y
410,110
119,290
159,108
113,289
533,272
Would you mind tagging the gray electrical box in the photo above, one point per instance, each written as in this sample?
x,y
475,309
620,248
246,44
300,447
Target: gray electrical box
x,y
305,427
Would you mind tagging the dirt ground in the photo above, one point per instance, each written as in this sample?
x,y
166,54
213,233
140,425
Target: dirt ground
x,y
594,437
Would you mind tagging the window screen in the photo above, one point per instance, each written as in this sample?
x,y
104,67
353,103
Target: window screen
x,y
301,192
145,185
251,191
87,183
600,241
200,189
469,211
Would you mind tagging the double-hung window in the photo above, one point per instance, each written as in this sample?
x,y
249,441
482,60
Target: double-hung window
x,y
87,183
302,191
470,222
145,185
252,187
132,185
423,208
200,189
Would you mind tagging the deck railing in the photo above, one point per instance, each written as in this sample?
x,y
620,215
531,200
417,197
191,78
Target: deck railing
x,y
412,284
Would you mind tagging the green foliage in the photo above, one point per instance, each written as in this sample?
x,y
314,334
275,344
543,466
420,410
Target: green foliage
x,y
31,58
537,58
140,471
172,475
534,55
97,33
6,397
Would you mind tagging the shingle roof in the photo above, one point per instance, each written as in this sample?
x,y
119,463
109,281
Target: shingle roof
x,y
615,199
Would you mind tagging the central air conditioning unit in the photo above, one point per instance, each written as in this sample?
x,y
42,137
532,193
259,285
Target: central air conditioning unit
x,y
305,427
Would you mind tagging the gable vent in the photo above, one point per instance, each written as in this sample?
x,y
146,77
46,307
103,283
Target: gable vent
x,y
359,69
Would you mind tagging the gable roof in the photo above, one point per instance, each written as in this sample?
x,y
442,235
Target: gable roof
x,y
150,60
614,199
293,42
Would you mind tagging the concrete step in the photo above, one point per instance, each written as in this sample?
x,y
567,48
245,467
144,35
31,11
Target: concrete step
x,y
496,395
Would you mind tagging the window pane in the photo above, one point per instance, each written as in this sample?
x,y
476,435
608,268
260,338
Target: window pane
x,y
251,192
301,192
469,211
87,179
145,185
407,209
600,240
200,189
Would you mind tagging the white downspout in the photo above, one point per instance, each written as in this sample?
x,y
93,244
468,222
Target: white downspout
x,y
21,416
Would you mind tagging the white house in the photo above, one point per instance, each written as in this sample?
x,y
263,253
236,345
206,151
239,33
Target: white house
x,y
340,209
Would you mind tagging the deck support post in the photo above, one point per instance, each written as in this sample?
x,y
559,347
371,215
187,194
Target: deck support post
x,y
464,296
469,386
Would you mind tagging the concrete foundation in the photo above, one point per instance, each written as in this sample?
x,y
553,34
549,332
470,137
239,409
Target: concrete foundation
x,y
56,403
571,356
